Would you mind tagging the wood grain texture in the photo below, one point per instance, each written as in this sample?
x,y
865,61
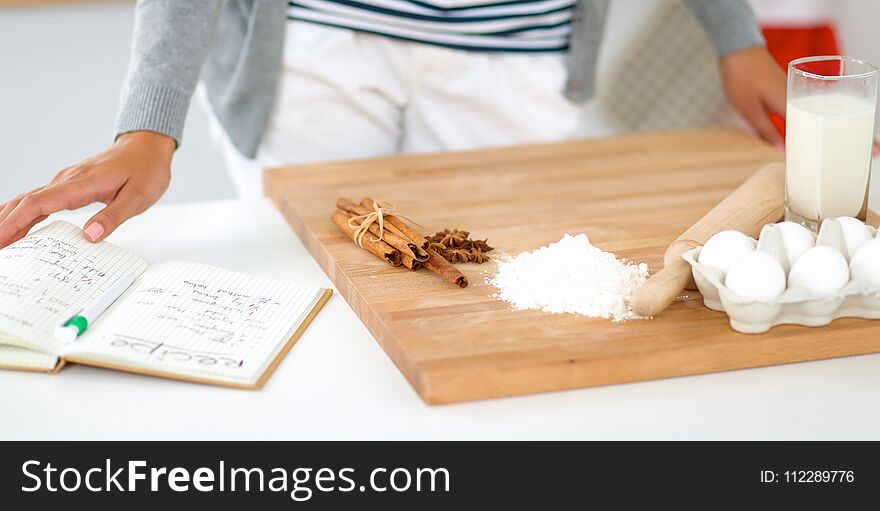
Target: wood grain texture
x,y
633,195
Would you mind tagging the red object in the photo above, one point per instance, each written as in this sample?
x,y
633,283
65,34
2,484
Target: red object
x,y
787,44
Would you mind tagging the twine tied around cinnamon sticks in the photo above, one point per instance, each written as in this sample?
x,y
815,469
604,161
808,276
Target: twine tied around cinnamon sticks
x,y
362,223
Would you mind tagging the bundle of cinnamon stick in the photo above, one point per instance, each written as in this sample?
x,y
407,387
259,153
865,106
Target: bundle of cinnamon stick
x,y
391,239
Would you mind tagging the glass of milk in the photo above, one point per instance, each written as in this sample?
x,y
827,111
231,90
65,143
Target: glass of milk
x,y
829,131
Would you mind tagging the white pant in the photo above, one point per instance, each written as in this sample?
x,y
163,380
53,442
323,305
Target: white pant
x,y
350,95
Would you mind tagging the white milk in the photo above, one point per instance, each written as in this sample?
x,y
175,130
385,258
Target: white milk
x,y
828,154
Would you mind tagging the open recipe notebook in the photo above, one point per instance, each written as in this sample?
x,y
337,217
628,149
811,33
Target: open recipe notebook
x,y
177,320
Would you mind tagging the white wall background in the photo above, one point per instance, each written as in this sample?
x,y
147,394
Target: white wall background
x,y
858,25
61,68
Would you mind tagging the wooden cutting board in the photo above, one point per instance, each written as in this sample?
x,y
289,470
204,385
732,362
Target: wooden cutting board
x,y
632,195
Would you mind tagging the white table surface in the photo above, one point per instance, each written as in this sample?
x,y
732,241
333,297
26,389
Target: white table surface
x,y
337,383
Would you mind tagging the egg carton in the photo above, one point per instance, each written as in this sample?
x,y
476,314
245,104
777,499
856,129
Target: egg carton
x,y
796,305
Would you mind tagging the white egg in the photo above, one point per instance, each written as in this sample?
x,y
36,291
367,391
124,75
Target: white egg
x,y
855,233
865,265
756,276
821,270
796,238
725,247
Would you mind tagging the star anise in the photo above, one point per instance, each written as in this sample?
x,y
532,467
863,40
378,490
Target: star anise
x,y
482,245
456,246
438,235
453,238
477,256
458,256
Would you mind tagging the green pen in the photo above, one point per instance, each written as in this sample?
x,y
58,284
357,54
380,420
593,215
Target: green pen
x,y
79,322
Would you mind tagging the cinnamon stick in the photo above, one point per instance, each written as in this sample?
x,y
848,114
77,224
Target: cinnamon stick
x,y
356,209
404,245
378,248
410,263
404,228
391,225
437,264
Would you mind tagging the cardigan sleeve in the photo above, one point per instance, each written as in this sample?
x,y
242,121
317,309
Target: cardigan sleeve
x,y
170,44
730,24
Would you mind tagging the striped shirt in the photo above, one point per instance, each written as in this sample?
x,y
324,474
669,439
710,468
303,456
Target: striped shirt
x,y
475,25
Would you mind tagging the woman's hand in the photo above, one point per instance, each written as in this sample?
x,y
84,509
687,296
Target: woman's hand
x,y
755,85
128,178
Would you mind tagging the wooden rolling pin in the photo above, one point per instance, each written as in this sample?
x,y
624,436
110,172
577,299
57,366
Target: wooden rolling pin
x,y
756,202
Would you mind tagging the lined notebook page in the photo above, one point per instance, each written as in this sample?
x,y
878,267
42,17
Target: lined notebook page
x,y
48,275
199,321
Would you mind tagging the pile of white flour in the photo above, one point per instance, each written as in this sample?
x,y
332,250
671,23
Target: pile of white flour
x,y
570,275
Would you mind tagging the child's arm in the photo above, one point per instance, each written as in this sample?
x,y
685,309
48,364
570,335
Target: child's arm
x,y
755,85
170,44
753,81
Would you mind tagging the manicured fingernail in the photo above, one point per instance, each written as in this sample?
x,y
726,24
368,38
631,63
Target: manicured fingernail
x,y
94,231
779,147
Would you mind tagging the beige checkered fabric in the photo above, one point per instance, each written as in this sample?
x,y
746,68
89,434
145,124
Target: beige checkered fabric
x,y
666,79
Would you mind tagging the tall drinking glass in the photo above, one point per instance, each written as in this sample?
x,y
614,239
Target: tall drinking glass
x,y
829,131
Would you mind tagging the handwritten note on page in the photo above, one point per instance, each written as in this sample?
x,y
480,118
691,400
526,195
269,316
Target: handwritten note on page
x,y
50,273
200,321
